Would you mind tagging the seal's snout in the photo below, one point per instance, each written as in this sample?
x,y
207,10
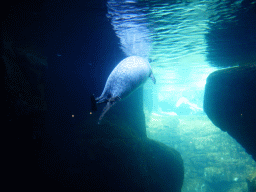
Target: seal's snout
x,y
93,103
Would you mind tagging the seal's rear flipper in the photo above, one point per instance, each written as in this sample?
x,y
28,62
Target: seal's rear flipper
x,y
110,103
152,77
93,101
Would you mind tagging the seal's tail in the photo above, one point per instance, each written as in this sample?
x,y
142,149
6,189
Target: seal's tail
x,y
93,102
110,103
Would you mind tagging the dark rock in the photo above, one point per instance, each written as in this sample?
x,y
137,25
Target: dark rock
x,y
23,79
133,165
230,103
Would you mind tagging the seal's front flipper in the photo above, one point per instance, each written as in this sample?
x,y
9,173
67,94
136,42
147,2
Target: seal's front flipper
x,y
110,103
152,77
93,102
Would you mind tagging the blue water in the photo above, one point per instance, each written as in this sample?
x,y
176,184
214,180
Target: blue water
x,y
178,40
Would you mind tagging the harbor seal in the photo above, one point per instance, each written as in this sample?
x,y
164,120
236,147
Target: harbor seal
x,y
126,77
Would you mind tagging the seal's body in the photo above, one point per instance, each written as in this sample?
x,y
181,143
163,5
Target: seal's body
x,y
126,77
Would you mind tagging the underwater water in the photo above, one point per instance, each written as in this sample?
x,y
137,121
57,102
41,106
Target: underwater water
x,y
57,57
184,42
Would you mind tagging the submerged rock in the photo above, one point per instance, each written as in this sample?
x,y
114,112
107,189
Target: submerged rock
x,y
230,103
132,165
